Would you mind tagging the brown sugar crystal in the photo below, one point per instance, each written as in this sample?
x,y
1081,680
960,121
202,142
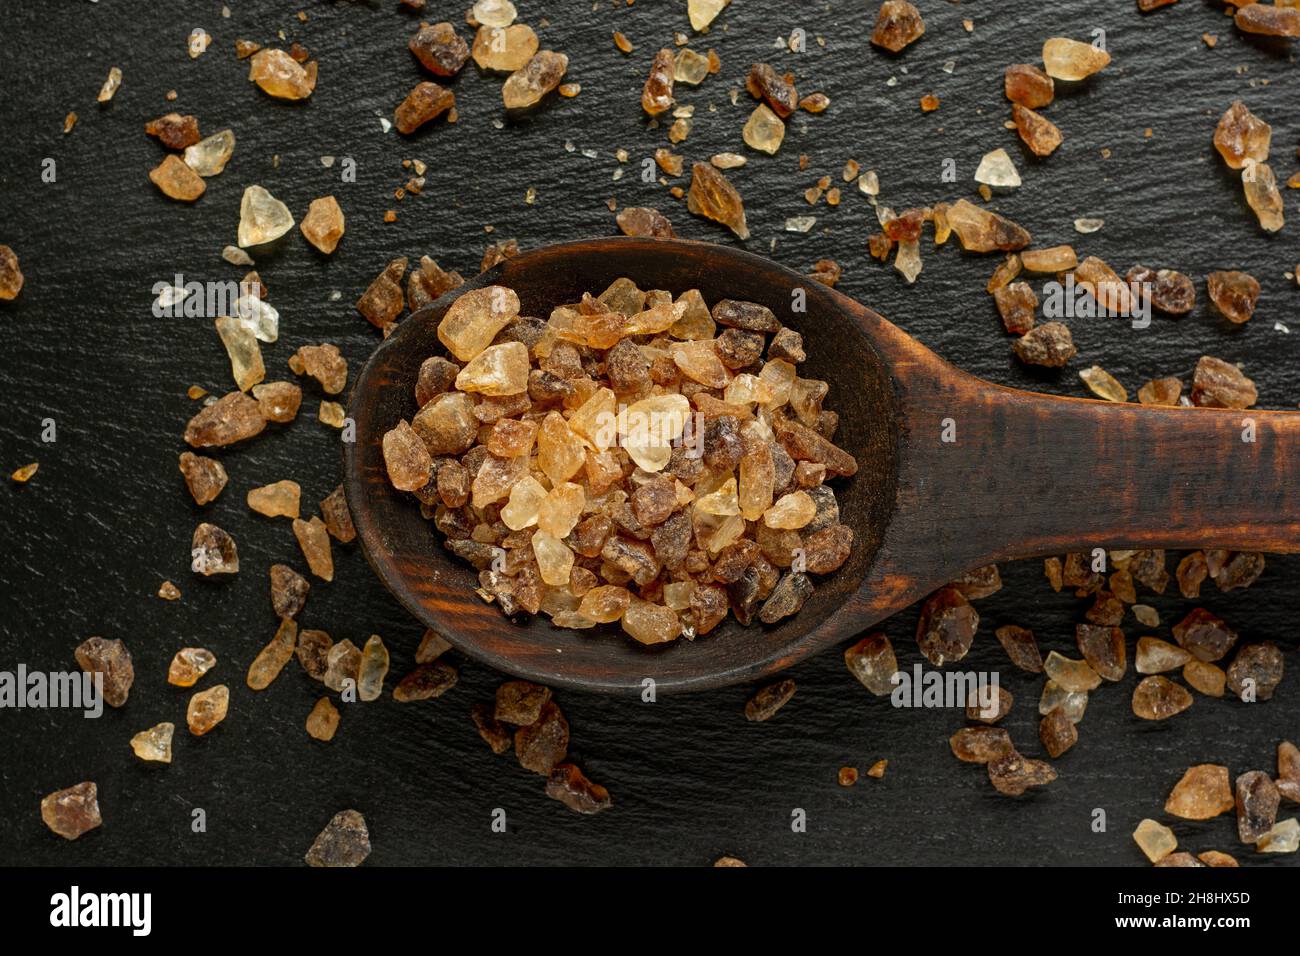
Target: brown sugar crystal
x,y
1021,648
174,130
189,664
946,627
428,282
1028,85
1203,792
337,517
278,401
1234,294
313,652
279,75
1288,771
176,180
643,221
439,49
1057,732
1066,59
983,231
323,224
657,95
288,591
213,551
569,785
1204,635
426,681
323,721
1256,671
898,24
232,418
1262,195
520,702
315,543
1168,291
1012,774
1257,800
345,842
504,49
1277,21
1242,137
494,733
872,661
73,811
1192,571
11,277
1036,131
109,658
278,499
323,363
1049,344
764,83
270,660
426,102
980,744
1051,259
1158,698
207,709
1155,656
528,85
1217,384
1016,304
988,710
764,705
1103,649
544,743
204,477
1205,677
1241,570
712,196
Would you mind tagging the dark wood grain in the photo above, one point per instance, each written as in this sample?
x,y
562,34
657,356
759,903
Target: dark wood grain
x,y
1028,475
1025,475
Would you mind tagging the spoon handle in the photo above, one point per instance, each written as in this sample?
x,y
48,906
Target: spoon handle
x,y
1052,475
988,473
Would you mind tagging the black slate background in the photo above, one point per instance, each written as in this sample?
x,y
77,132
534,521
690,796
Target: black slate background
x,y
107,519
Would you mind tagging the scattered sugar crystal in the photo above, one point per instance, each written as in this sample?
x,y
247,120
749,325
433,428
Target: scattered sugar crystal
x,y
213,551
997,169
242,348
373,669
198,42
73,811
154,744
207,708
262,217
111,84
189,664
208,157
344,842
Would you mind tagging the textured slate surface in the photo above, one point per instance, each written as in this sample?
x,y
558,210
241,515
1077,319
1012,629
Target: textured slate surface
x,y
107,519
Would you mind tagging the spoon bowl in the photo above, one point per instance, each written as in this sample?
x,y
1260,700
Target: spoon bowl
x,y
953,473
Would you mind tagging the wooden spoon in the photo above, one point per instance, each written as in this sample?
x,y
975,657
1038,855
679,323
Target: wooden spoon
x,y
1026,475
